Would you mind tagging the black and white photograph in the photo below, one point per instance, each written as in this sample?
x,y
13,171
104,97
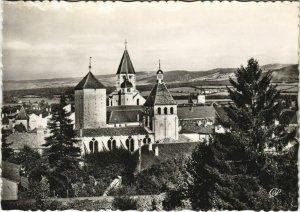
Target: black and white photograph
x,y
149,106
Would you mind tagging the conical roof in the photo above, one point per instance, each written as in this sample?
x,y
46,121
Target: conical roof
x,y
160,96
125,66
89,82
22,115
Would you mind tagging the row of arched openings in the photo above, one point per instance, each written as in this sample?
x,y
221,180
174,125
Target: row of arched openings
x,y
159,110
130,144
147,140
93,145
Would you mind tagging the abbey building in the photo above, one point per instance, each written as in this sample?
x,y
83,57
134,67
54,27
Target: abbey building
x,y
125,119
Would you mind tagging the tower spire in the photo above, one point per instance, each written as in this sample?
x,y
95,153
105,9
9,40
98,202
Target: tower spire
x,y
159,64
125,44
90,65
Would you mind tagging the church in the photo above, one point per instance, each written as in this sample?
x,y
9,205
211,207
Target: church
x,y
125,119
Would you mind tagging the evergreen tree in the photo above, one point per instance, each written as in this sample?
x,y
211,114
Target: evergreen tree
x,y
62,150
235,170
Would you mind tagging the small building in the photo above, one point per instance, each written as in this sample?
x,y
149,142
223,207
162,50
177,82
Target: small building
x,y
10,181
22,118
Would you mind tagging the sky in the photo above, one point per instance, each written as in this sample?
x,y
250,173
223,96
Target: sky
x,y
52,40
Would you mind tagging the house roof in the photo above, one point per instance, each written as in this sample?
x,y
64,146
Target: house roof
x,y
114,131
192,129
166,151
222,113
11,171
89,82
125,66
22,115
160,95
120,116
19,140
20,127
288,116
195,112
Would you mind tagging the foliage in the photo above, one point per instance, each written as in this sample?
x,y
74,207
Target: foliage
x,y
234,170
62,150
7,152
107,165
124,203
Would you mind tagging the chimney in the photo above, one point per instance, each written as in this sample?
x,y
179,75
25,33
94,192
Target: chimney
x,y
156,150
201,99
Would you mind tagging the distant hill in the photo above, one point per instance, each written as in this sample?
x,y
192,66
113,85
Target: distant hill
x,y
281,73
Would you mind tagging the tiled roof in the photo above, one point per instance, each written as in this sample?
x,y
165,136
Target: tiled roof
x,y
89,82
11,171
160,95
114,131
222,113
22,115
20,127
19,140
288,116
121,116
196,112
166,151
125,107
125,66
192,128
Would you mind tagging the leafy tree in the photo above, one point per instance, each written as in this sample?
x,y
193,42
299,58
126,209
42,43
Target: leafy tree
x,y
236,170
7,152
62,150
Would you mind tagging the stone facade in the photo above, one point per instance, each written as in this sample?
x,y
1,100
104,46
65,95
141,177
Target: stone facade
x,y
90,108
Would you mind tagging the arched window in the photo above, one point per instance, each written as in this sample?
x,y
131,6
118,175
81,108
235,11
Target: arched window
x,y
171,110
127,143
149,140
96,146
165,110
109,144
145,140
114,144
138,102
91,146
159,110
132,145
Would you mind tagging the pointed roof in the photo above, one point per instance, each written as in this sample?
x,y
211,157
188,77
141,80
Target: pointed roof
x,y
22,115
89,82
160,96
125,66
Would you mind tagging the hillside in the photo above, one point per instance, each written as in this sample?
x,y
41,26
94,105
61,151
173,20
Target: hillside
x,y
281,73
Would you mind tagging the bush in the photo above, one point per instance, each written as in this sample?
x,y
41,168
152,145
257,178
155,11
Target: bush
x,y
124,203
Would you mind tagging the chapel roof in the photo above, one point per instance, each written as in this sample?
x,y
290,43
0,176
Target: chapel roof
x,y
160,95
125,66
89,82
121,116
114,131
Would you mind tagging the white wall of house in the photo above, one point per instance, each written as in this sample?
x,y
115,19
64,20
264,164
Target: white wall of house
x,y
9,189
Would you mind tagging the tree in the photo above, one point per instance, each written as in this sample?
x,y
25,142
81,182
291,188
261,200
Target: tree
x,y
62,150
236,170
7,152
